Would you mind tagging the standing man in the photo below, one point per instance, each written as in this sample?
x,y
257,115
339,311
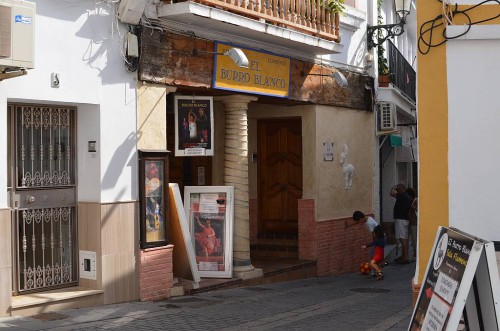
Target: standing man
x,y
401,222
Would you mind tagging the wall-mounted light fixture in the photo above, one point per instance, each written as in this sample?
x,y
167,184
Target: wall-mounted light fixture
x,y
402,8
337,76
235,54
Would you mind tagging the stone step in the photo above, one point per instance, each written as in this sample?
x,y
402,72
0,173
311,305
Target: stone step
x,y
274,270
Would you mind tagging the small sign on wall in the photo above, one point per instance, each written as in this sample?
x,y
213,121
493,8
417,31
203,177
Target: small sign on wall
x,y
267,73
328,150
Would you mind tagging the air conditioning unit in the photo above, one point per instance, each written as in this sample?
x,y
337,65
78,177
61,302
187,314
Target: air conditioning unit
x,y
17,34
388,120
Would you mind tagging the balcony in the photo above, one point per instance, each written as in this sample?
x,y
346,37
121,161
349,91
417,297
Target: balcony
x,y
299,28
402,74
400,89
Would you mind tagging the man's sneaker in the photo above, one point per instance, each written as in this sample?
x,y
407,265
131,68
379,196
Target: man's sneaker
x,y
384,264
373,274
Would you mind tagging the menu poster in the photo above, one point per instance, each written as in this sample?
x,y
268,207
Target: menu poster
x,y
443,280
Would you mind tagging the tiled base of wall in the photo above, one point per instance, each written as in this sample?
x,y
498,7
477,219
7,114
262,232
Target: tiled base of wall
x,y
5,261
339,247
335,244
155,273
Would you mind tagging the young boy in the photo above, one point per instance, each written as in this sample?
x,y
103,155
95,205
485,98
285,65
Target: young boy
x,y
370,224
377,256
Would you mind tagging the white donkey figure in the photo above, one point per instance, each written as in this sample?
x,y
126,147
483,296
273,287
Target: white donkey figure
x,y
347,168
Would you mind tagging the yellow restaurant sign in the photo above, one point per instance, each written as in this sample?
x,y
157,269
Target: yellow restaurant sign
x,y
266,74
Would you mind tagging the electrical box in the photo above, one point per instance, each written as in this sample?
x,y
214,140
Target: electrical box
x,y
130,11
132,45
88,265
17,34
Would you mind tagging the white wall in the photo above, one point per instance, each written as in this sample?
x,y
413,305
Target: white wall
x,y
3,149
89,174
473,129
80,41
353,37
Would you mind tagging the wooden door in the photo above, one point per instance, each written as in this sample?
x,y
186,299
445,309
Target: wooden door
x,y
186,170
279,175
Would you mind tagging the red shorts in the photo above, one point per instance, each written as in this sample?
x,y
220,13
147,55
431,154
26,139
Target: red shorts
x,y
378,256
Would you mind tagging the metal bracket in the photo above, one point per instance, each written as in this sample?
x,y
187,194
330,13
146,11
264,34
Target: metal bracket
x,y
391,30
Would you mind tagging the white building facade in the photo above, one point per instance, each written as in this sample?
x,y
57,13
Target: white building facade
x,y
68,153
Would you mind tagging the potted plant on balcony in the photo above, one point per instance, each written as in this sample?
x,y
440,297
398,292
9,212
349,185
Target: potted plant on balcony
x,y
383,67
336,6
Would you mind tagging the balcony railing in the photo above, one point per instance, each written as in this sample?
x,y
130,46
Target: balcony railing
x,y
402,74
309,16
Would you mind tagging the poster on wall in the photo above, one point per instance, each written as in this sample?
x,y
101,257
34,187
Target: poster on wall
x,y
450,288
153,179
210,215
194,124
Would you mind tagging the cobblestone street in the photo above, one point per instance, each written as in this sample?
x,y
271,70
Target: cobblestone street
x,y
348,302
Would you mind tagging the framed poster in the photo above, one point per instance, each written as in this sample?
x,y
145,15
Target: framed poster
x,y
210,216
194,124
153,198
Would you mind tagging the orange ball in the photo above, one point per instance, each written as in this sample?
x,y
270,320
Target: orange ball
x,y
365,268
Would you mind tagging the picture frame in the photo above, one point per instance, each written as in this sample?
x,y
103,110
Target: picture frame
x,y
209,210
153,198
194,123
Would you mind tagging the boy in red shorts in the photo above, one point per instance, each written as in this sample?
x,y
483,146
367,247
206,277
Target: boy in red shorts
x,y
378,254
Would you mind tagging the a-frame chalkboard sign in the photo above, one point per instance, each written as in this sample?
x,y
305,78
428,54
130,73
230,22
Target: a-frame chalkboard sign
x,y
461,289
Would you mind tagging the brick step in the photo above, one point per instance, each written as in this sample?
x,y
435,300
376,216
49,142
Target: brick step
x,y
283,236
267,247
277,254
277,242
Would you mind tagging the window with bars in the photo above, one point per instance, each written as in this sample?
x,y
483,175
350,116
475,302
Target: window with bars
x,y
44,140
